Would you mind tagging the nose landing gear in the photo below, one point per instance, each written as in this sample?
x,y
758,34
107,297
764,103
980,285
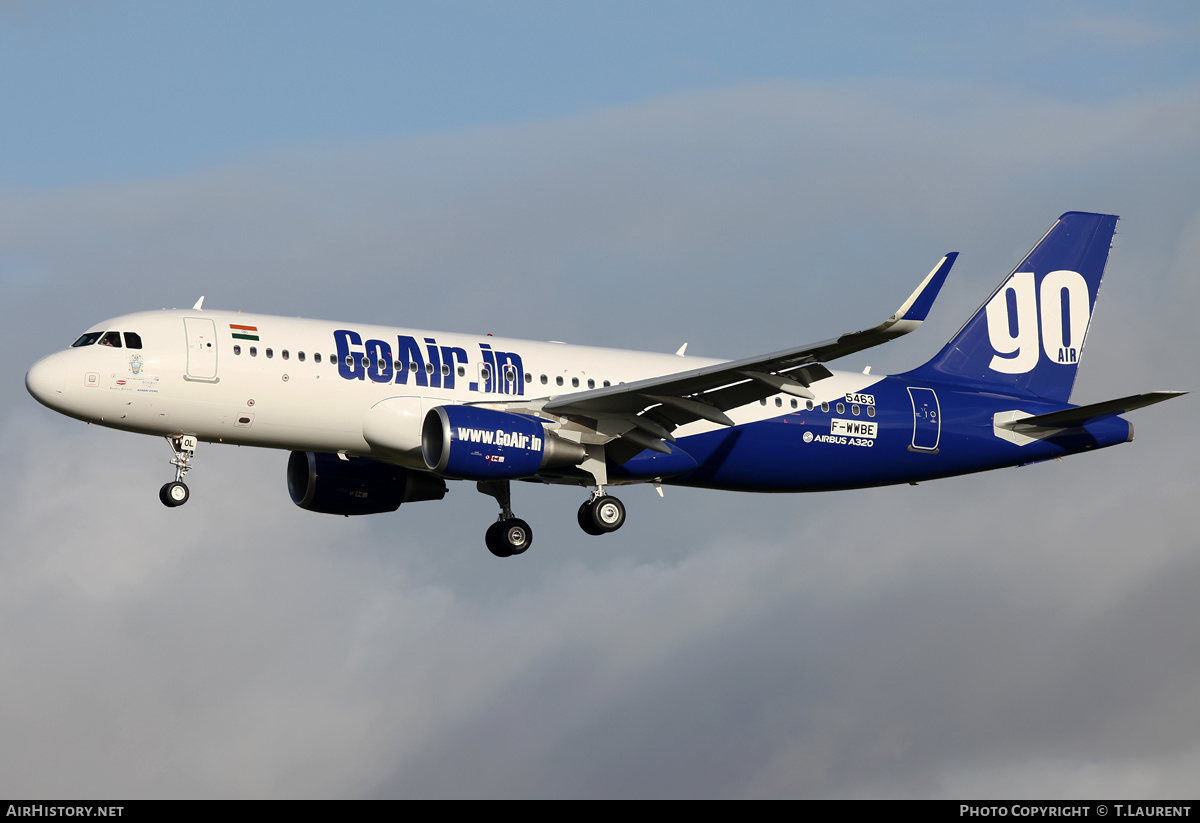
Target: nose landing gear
x,y
176,492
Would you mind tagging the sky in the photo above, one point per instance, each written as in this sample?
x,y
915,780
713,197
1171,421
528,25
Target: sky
x,y
740,177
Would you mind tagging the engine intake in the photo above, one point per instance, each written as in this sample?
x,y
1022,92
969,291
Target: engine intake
x,y
484,444
328,484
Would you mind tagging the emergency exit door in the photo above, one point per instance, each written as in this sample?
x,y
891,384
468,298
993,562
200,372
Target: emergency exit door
x,y
927,420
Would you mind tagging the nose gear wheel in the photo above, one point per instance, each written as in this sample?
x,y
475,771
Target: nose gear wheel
x,y
174,494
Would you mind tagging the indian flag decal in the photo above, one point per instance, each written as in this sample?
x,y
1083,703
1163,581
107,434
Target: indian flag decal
x,y
243,332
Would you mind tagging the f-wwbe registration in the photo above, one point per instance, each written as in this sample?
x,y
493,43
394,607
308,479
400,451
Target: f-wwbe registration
x,y
853,428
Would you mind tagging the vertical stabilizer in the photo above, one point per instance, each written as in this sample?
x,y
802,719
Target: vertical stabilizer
x,y
1028,335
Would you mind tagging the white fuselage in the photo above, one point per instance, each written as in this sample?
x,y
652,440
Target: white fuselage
x,y
278,382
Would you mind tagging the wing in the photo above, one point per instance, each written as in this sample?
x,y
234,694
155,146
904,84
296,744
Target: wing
x,y
649,410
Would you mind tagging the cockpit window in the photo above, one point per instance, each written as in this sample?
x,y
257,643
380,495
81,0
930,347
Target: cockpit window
x,y
87,339
112,338
133,340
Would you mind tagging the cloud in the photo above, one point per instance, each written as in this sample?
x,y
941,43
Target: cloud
x,y
1020,632
751,214
941,637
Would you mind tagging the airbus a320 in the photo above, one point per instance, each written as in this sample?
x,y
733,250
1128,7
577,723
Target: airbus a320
x,y
376,416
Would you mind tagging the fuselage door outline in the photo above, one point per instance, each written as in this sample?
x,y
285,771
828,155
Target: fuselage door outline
x,y
201,333
927,420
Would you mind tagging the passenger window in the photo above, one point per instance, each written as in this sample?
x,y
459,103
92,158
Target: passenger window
x,y
870,411
824,407
429,368
133,340
591,383
300,356
841,407
270,353
795,404
558,381
284,354
254,351
237,349
575,382
545,379
854,409
112,338
350,360
87,339
808,404
607,384
316,357
778,402
462,371
763,402
485,373
445,370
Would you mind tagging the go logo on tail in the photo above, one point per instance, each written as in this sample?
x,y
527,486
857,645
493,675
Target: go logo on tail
x,y
1012,319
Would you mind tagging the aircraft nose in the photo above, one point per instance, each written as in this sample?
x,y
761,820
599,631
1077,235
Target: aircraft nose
x,y
46,380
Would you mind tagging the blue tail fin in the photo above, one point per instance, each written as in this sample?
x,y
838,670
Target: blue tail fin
x,y
1028,335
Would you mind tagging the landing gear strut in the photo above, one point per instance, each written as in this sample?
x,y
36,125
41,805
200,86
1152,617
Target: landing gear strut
x,y
509,535
176,492
602,514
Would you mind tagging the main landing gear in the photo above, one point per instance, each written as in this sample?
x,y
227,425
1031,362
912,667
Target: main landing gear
x,y
176,492
509,535
601,514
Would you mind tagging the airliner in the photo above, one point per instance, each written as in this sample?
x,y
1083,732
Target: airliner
x,y
376,416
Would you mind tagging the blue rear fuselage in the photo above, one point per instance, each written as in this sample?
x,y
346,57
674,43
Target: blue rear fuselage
x,y
921,430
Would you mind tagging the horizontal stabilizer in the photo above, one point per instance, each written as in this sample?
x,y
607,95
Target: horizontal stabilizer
x,y
1095,411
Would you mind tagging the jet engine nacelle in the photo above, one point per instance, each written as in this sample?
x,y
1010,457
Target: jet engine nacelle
x,y
485,444
326,483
